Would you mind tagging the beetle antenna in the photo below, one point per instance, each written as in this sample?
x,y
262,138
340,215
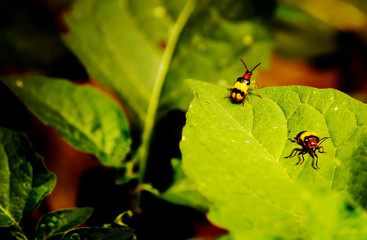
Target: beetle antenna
x,y
255,67
323,139
245,65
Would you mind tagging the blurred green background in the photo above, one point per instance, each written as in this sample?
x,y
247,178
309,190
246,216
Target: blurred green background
x,y
313,43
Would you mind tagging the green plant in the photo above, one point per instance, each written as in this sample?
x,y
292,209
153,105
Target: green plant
x,y
147,53
24,183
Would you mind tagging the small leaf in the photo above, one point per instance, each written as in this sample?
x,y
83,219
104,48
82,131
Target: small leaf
x,y
24,180
99,233
123,217
183,190
235,154
61,221
85,117
18,236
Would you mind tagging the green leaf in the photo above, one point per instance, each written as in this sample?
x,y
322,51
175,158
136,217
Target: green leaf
x,y
235,154
123,44
61,221
123,217
183,190
119,43
86,118
24,180
18,236
99,233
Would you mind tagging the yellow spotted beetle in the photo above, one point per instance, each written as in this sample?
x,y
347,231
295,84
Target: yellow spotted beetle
x,y
310,142
240,87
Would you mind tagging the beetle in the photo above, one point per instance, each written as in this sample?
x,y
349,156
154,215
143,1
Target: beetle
x,y
239,91
310,143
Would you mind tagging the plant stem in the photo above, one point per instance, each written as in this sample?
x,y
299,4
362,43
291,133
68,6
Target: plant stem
x,y
154,98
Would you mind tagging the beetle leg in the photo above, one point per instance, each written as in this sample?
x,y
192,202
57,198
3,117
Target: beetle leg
x,y
323,151
315,162
243,100
299,159
256,90
230,89
258,85
293,140
303,158
294,152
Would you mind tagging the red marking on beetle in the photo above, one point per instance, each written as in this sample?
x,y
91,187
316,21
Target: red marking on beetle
x,y
247,76
312,143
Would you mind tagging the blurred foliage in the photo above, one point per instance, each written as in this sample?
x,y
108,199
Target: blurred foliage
x,y
30,41
61,221
216,34
300,35
309,28
142,51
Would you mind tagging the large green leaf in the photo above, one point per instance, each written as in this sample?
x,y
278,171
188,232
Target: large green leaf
x,y
235,154
61,221
123,45
24,180
85,117
119,43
